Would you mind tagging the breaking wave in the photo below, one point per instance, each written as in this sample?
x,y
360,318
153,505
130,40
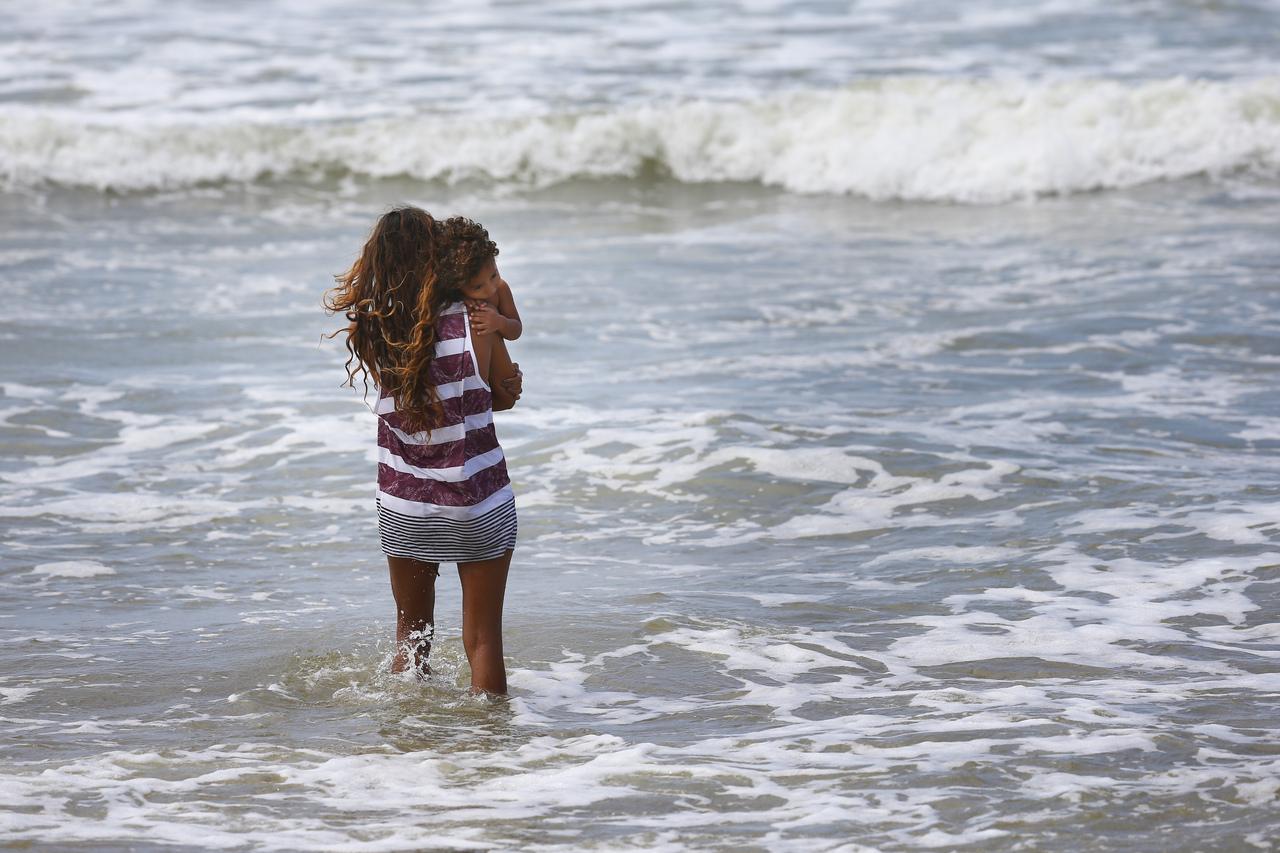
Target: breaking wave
x,y
911,138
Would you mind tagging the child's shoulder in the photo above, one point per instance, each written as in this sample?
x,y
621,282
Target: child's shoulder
x,y
503,291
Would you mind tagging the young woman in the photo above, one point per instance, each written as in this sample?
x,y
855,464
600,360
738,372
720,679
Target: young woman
x,y
443,492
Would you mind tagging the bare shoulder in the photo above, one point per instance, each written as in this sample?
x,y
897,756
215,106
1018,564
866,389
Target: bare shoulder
x,y
504,297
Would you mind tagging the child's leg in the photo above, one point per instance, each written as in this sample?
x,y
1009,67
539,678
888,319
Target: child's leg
x,y
484,585
413,584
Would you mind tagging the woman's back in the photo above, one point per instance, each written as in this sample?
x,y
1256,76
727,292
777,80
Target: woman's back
x,y
444,495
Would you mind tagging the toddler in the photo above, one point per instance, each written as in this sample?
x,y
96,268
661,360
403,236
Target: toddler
x,y
491,305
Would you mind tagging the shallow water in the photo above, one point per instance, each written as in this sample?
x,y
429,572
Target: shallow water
x,y
841,525
846,524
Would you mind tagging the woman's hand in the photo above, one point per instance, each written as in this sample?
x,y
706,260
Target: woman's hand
x,y
484,318
513,385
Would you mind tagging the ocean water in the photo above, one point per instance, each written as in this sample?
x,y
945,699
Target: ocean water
x,y
898,466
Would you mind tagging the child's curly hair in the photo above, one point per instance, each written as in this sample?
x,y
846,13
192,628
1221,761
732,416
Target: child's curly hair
x,y
467,248
410,269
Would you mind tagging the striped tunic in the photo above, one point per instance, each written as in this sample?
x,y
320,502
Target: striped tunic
x,y
444,496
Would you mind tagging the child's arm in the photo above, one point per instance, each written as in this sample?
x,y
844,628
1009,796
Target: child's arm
x,y
496,314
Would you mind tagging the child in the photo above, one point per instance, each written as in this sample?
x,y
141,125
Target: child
x,y
492,307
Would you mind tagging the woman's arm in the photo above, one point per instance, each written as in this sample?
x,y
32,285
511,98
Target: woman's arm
x,y
512,327
504,375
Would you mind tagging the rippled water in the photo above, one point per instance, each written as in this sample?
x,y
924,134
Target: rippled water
x,y
845,524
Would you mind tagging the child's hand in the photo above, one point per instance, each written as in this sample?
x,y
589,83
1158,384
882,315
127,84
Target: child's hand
x,y
484,318
514,384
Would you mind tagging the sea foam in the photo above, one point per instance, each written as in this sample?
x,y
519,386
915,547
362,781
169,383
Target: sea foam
x,y
73,569
918,138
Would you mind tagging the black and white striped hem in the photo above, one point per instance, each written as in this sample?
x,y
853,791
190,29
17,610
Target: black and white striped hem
x,y
447,540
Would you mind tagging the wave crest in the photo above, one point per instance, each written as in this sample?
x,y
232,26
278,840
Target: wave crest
x,y
912,138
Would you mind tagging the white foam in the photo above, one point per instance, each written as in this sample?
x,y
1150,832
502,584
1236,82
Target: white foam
x,y
73,569
19,391
126,511
963,555
926,138
779,599
13,695
877,506
1073,627
803,774
1260,793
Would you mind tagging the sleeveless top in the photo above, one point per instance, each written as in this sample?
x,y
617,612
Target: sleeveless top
x,y
444,495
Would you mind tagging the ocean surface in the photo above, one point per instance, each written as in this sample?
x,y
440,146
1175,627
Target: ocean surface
x,y
898,466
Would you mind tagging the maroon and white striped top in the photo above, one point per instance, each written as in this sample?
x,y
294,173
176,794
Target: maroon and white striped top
x,y
457,471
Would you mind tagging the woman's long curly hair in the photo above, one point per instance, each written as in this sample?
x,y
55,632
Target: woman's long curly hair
x,y
411,268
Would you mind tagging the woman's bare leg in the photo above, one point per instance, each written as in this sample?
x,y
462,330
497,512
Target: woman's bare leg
x,y
484,585
413,584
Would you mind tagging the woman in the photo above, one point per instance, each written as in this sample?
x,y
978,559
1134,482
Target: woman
x,y
443,492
